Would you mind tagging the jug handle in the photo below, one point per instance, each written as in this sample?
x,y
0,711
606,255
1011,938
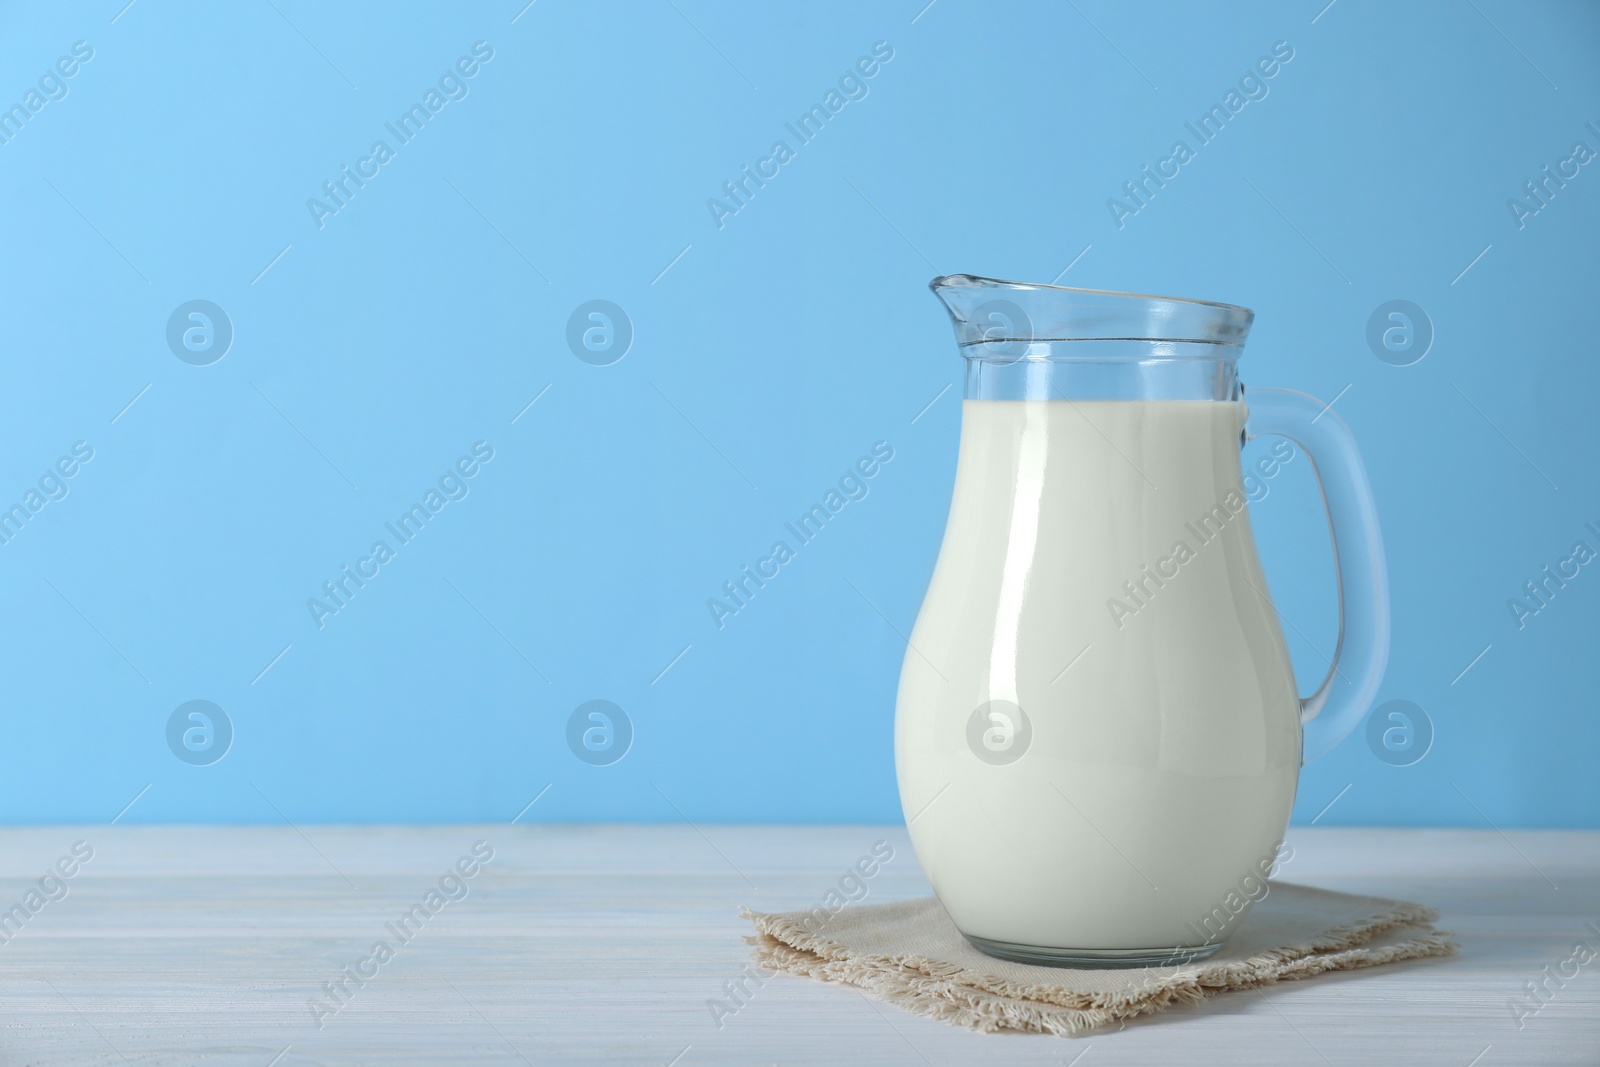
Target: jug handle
x,y
1362,652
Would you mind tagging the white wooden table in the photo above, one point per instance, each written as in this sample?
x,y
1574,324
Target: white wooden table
x,y
184,945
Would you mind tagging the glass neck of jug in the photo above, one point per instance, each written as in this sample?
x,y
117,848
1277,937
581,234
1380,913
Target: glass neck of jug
x,y
1024,341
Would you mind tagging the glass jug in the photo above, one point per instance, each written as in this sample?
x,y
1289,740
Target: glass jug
x,y
1097,733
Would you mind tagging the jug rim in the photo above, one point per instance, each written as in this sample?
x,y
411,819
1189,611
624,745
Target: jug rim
x,y
946,281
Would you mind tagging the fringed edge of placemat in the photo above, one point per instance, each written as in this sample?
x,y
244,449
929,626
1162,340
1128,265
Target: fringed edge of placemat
x,y
987,1003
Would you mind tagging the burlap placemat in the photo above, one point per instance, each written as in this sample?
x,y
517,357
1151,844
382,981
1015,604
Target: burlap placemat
x,y
910,954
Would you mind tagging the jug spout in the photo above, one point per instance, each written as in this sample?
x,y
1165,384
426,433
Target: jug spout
x,y
963,295
1024,340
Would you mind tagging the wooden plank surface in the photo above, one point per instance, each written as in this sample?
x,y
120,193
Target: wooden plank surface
x,y
183,945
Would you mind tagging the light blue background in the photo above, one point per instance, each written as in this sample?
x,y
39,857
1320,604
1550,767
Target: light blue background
x,y
777,349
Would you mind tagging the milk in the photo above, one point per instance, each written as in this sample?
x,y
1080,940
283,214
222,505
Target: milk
x,y
1097,572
